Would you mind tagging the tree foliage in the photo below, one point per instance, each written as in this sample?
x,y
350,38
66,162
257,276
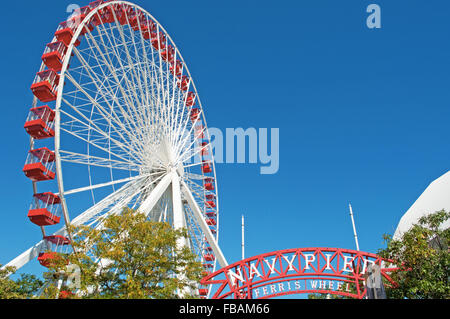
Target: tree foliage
x,y
139,259
24,287
423,259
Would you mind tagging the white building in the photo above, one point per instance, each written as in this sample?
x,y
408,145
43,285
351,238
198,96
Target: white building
x,y
435,198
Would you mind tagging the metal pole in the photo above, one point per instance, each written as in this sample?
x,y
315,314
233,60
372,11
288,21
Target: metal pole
x,y
354,228
243,239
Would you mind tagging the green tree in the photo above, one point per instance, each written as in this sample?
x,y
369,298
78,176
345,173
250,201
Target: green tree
x,y
26,286
423,259
140,259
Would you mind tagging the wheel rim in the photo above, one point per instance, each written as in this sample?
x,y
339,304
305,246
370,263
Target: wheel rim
x,y
115,33
123,107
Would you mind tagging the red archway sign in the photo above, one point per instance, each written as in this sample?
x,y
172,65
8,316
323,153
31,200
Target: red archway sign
x,y
297,271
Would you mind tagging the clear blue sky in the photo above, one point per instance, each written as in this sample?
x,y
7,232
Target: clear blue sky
x,y
363,114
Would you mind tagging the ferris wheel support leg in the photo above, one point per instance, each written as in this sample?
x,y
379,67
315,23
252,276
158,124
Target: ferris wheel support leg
x,y
179,221
150,202
204,226
26,256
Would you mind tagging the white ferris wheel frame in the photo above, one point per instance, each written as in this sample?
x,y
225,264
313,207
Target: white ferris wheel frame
x,y
115,201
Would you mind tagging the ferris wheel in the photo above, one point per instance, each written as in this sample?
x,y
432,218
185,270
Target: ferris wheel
x,y
116,121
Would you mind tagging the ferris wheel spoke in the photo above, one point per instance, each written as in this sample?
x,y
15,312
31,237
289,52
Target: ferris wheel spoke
x,y
182,128
88,188
105,55
202,223
196,235
183,142
189,154
196,164
131,63
105,92
181,122
161,117
186,146
116,199
81,129
90,124
129,81
108,151
193,176
84,159
164,93
173,110
150,75
148,113
109,116
101,84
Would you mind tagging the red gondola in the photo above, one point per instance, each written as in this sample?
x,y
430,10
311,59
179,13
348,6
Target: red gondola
x,y
206,168
65,294
190,101
104,15
139,19
58,240
195,114
48,259
45,85
98,18
210,204
158,41
209,257
134,20
54,55
209,184
45,209
39,164
168,54
122,12
66,29
211,222
55,247
148,27
177,69
184,82
204,151
78,17
40,122
65,32
200,131
211,214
